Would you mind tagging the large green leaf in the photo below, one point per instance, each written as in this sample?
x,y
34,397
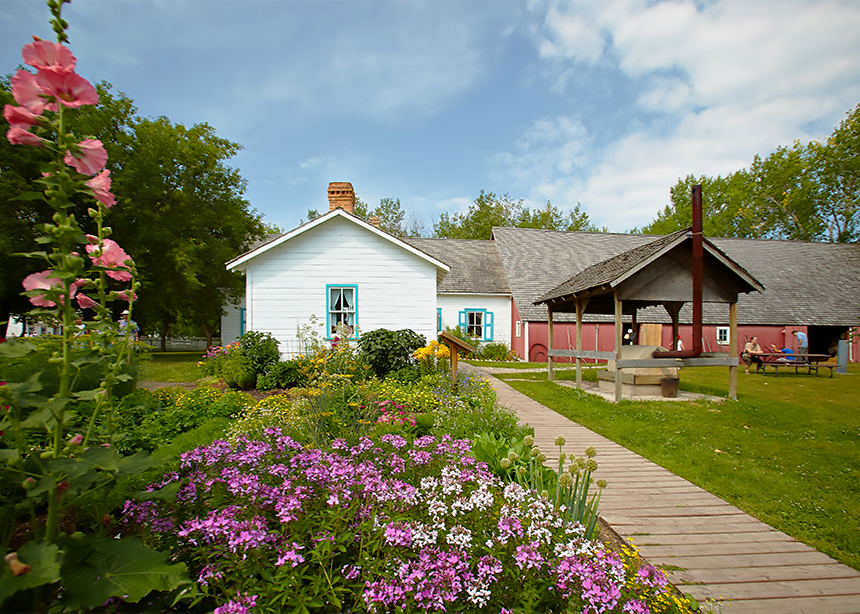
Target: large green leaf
x,y
43,559
122,568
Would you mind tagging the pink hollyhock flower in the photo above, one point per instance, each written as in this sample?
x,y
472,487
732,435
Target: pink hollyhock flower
x,y
42,281
112,257
90,159
19,136
27,92
85,302
123,295
100,185
66,87
20,117
45,54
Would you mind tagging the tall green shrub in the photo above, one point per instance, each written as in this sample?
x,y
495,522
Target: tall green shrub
x,y
388,350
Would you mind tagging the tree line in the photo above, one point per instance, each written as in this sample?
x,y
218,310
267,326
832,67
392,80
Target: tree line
x,y
182,216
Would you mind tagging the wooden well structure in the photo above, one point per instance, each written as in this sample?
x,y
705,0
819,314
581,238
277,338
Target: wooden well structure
x,y
669,271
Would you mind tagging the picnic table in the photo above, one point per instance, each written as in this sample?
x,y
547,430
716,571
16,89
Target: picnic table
x,y
795,361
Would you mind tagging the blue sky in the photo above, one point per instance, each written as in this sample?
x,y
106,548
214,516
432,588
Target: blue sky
x,y
604,103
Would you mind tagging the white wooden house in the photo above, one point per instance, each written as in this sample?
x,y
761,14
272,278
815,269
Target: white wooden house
x,y
336,269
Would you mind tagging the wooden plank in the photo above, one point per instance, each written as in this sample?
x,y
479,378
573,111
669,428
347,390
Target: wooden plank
x,y
761,574
716,548
838,604
792,588
812,557
665,539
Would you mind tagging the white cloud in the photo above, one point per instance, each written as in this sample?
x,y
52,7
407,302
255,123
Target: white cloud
x,y
714,85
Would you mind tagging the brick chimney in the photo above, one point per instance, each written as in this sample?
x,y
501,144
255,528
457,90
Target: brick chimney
x,y
375,221
341,196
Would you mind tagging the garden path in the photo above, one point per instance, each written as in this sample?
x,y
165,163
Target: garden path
x,y
711,548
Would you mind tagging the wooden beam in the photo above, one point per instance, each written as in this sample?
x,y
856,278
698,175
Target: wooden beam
x,y
619,334
733,351
549,345
580,307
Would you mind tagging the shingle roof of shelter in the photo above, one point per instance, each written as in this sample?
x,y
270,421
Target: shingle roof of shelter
x,y
607,271
476,267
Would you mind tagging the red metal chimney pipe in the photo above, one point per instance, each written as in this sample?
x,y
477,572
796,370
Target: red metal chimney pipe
x,y
698,283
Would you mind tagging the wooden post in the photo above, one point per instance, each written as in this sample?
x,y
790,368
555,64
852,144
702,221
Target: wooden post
x,y
733,351
580,307
454,345
549,344
619,336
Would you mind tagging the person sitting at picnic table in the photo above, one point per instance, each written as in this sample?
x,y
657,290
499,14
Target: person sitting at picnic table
x,y
789,353
750,355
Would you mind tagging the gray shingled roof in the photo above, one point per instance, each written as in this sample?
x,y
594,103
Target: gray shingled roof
x,y
475,264
805,283
607,271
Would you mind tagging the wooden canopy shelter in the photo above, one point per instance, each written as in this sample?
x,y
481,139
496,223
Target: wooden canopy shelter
x,y
660,273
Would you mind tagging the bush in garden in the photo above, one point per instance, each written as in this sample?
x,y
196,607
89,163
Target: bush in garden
x,y
418,397
496,351
260,350
387,526
275,411
240,363
469,408
386,350
339,360
285,374
335,410
181,411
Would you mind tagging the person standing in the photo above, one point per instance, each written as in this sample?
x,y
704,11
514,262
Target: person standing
x,y
802,342
128,326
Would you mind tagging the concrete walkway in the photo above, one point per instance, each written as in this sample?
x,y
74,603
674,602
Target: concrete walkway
x,y
712,549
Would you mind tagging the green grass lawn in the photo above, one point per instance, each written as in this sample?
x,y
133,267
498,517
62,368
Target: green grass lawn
x,y
172,367
786,451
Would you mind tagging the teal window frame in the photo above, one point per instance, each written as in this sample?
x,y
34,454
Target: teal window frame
x,y
438,319
486,323
242,320
329,312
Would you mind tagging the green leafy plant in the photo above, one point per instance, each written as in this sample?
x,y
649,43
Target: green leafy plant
x,y
495,351
387,350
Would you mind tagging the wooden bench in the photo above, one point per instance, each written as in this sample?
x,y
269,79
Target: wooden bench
x,y
796,364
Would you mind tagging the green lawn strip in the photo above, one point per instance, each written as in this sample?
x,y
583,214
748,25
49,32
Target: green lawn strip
x,y
786,452
172,367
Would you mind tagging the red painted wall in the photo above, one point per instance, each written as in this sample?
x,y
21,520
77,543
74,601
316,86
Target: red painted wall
x,y
602,337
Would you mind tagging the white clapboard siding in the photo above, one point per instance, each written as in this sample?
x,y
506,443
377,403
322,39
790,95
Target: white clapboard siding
x,y
497,304
286,285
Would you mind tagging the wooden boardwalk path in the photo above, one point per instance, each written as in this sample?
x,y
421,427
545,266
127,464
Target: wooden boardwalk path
x,y
713,549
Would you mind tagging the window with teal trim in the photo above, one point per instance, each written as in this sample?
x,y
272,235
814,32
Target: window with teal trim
x,y
341,309
477,323
438,319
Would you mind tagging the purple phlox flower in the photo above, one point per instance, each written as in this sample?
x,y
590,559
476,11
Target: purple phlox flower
x,y
420,457
652,577
396,490
350,572
396,441
290,556
509,526
528,556
240,605
636,606
398,534
209,573
288,504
